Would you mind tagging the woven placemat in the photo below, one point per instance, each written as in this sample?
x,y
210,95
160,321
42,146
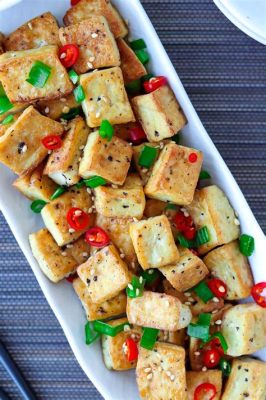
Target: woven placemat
x,y
223,71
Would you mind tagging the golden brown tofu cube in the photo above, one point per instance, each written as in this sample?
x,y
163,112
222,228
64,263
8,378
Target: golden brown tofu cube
x,y
56,109
174,177
211,208
106,97
131,66
108,159
161,373
231,266
153,242
97,46
15,67
38,32
194,379
105,274
21,147
159,114
85,8
144,173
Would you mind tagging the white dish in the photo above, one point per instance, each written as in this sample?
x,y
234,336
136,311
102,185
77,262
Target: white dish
x,y
7,3
61,297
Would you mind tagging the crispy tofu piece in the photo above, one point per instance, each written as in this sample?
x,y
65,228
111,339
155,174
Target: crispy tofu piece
x,y
85,8
54,215
21,148
106,97
63,164
187,272
212,209
131,66
105,274
244,329
38,32
144,173
247,380
15,67
154,242
176,337
158,310
166,381
108,159
231,266
109,308
174,178
154,208
159,114
194,379
55,109
97,46
127,201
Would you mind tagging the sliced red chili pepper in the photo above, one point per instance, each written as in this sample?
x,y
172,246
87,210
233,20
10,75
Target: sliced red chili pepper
x,y
77,219
74,2
97,237
190,233
52,142
131,350
211,358
259,294
68,55
216,344
192,158
205,388
137,135
154,83
181,222
72,277
218,287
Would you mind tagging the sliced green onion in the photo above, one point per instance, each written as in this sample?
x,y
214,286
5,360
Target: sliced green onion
x,y
90,334
37,206
72,113
143,56
39,74
246,245
176,138
225,367
150,276
149,338
170,207
201,330
2,90
8,120
147,156
204,175
73,76
138,44
203,291
136,287
134,87
95,181
79,94
221,337
146,77
204,319
59,191
106,130
202,236
109,330
80,184
188,244
5,105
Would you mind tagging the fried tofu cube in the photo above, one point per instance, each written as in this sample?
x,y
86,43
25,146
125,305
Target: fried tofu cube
x,y
187,272
166,381
21,148
86,8
158,310
55,109
105,274
15,67
159,114
131,66
211,208
123,202
63,164
231,266
247,380
108,159
54,215
174,177
244,329
97,46
154,242
106,97
194,379
144,173
38,32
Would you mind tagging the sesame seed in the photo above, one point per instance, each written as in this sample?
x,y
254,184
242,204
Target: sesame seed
x,y
62,56
69,246
150,271
89,190
66,110
236,221
80,158
71,230
172,377
78,213
147,370
46,110
133,265
204,369
214,311
24,148
90,65
85,254
149,377
133,336
191,299
93,198
30,26
130,286
122,255
90,210
188,303
144,170
197,353
167,303
92,58
188,294
161,145
92,271
98,114
137,292
64,254
94,35
141,279
168,373
216,300
63,99
81,147
221,289
126,328
49,151
114,186
218,322
135,219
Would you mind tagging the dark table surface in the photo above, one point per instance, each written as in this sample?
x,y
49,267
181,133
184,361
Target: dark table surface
x,y
224,74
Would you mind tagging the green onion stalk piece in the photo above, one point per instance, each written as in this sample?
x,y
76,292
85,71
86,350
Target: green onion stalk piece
x,y
37,206
90,334
39,74
5,105
136,287
138,44
109,330
225,367
202,236
94,182
246,245
134,87
143,56
200,330
203,291
8,120
204,175
149,338
147,156
106,130
73,76
59,191
146,77
79,94
72,113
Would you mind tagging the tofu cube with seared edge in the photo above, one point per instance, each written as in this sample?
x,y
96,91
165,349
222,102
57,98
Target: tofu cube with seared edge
x,y
211,208
21,147
154,242
231,266
131,66
105,274
161,373
106,97
108,159
175,174
195,379
59,108
159,114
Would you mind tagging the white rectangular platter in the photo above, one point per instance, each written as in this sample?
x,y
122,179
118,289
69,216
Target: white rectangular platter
x,y
61,297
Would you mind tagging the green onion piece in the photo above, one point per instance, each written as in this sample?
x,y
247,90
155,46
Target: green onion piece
x,y
80,184
170,207
138,44
134,87
143,56
37,206
72,113
136,287
5,105
176,138
150,276
147,156
95,181
146,77
221,337
188,244
109,330
39,74
8,120
2,90
90,334
246,245
149,337
202,236
73,76
106,130
201,330
205,319
79,94
203,291
225,367
204,175
60,190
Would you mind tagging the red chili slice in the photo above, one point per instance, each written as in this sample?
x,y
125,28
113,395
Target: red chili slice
x,y
259,294
192,158
74,2
190,233
137,135
77,219
97,237
52,142
205,388
211,358
181,222
218,287
132,350
154,83
68,55
216,344
72,277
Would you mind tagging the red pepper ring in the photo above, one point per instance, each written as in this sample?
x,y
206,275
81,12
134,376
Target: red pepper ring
x,y
69,55
97,237
77,219
216,344
154,83
72,277
192,158
218,287
131,350
258,293
211,358
137,134
181,222
205,388
52,142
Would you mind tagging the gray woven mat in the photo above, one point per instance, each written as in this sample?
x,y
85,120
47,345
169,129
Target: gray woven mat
x,y
224,73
